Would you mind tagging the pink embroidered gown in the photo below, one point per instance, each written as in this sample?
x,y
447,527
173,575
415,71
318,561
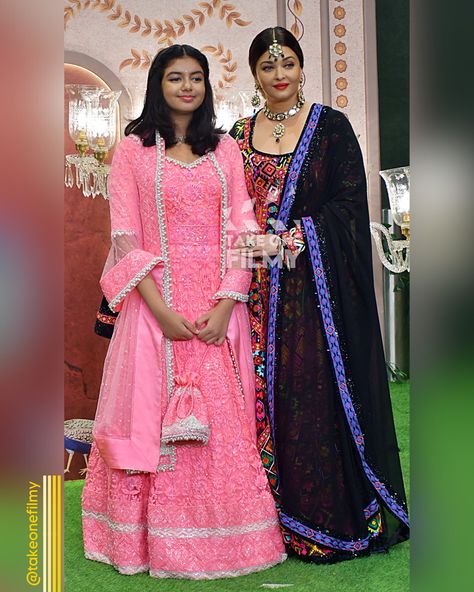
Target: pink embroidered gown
x,y
190,510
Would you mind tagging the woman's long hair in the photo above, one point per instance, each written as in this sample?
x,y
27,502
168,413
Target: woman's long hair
x,y
265,38
202,133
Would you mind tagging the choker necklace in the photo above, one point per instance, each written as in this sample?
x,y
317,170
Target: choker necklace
x,y
279,130
180,139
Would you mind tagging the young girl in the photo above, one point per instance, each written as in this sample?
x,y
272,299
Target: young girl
x,y
175,483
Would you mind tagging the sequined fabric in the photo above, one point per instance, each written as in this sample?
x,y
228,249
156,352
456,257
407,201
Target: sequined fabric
x,y
205,511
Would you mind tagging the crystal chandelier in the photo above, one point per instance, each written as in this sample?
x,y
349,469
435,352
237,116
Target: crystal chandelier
x,y
92,127
395,253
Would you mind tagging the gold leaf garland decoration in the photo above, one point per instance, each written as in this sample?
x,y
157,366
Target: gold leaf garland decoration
x,y
224,57
139,59
143,61
165,31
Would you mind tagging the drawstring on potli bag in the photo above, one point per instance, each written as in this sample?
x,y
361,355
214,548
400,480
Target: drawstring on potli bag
x,y
186,419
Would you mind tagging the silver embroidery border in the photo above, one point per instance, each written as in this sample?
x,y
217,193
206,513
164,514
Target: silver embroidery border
x,y
187,165
236,368
115,526
182,533
167,292
133,282
231,294
167,450
122,233
155,573
193,533
214,575
223,181
126,571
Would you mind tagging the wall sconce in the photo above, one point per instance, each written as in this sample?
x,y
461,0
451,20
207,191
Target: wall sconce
x,y
393,253
231,105
92,126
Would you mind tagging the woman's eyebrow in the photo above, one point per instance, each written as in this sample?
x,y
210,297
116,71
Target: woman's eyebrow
x,y
273,61
185,72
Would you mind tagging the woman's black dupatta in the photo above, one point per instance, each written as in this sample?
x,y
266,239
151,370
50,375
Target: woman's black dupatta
x,y
339,482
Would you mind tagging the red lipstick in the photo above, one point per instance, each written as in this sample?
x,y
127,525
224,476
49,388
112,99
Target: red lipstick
x,y
281,86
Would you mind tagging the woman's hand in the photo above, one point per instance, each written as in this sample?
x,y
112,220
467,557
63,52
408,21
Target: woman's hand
x,y
174,325
261,245
213,324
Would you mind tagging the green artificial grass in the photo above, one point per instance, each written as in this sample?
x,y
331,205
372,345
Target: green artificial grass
x,y
378,573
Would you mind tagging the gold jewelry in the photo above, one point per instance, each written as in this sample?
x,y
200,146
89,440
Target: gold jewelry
x,y
300,91
274,49
251,242
279,129
255,100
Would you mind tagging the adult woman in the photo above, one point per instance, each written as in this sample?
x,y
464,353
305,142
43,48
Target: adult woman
x,y
185,503
324,421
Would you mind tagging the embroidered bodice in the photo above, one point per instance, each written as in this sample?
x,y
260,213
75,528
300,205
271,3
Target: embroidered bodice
x,y
264,174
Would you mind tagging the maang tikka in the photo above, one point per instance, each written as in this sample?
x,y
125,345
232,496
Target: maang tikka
x,y
275,49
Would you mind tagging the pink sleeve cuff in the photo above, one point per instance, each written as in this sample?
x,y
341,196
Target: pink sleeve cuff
x,y
125,275
235,285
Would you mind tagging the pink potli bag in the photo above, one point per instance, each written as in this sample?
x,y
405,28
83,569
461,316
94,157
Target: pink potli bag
x,y
186,418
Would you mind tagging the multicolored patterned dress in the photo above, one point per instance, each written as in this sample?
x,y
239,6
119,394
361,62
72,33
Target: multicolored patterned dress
x,y
182,510
324,422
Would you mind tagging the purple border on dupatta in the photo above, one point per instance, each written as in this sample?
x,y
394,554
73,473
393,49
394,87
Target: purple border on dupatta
x,y
338,365
328,540
283,215
324,539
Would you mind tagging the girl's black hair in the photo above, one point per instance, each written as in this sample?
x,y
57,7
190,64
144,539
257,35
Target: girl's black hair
x,y
202,133
265,38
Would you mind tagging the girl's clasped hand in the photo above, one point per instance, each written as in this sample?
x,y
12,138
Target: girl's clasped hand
x,y
210,327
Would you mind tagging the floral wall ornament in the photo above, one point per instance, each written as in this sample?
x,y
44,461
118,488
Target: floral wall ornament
x,y
340,49
165,31
296,9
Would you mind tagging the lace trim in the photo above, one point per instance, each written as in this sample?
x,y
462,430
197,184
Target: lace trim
x,y
191,533
167,294
181,533
187,165
211,575
122,233
133,282
126,571
236,368
116,526
131,570
167,450
223,181
189,428
230,294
